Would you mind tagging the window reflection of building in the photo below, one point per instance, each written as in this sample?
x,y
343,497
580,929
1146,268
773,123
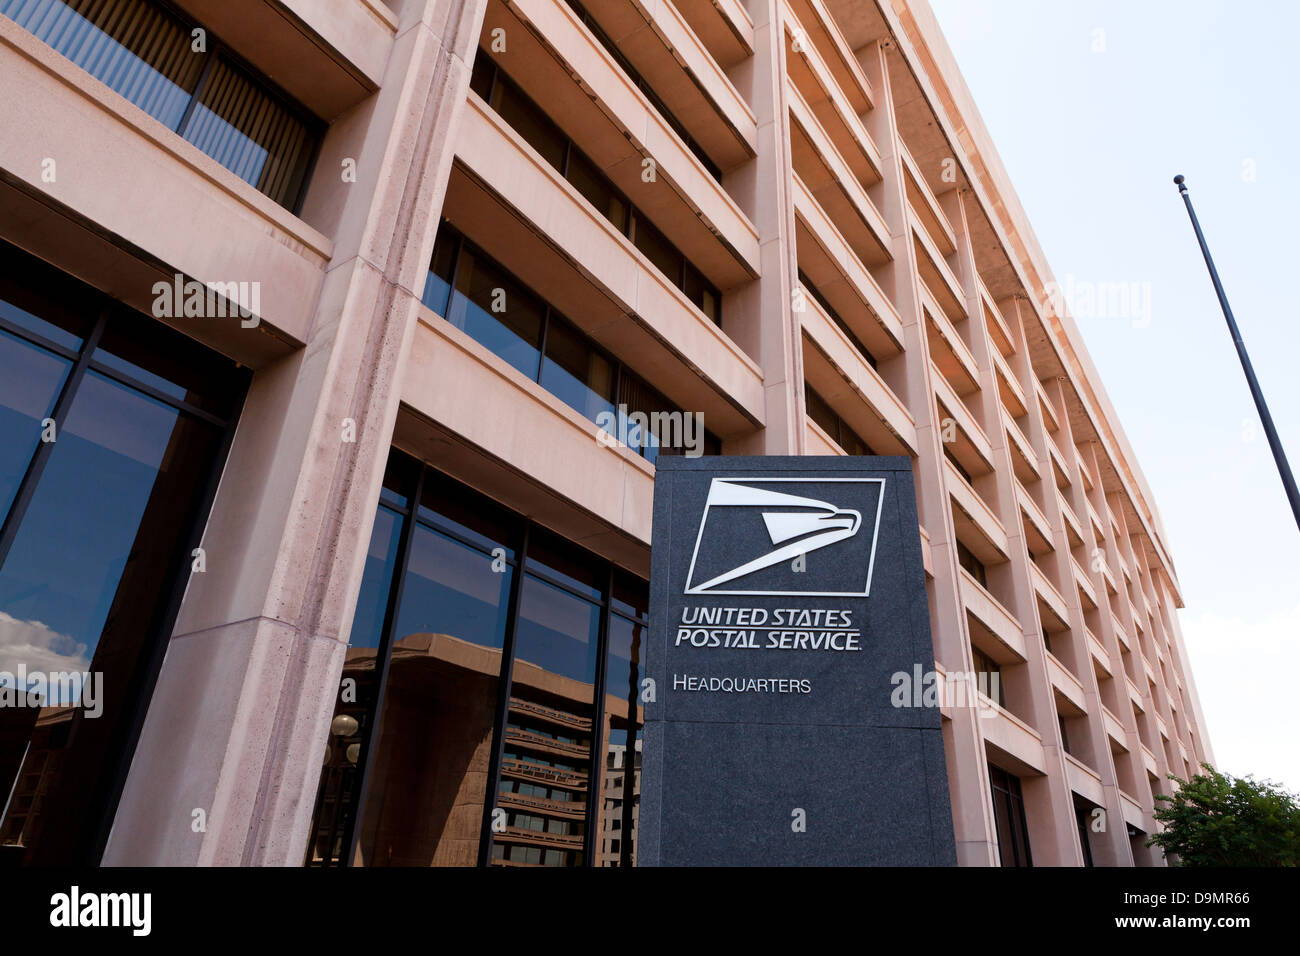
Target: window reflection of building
x,y
620,795
620,806
112,427
480,645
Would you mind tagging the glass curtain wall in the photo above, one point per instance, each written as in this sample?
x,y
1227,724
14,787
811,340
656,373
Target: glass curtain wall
x,y
112,430
490,695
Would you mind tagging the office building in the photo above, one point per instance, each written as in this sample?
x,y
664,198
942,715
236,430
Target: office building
x,y
340,341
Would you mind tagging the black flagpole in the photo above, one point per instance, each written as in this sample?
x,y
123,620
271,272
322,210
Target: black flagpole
x,y
1273,441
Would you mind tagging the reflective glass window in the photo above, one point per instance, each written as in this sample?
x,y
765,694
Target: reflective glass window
x,y
497,312
104,469
433,738
620,772
576,372
356,697
458,770
146,53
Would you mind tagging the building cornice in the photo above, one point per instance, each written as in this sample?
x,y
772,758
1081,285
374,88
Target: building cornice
x,y
922,45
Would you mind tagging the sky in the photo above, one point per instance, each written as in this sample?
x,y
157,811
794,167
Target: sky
x,y
1094,107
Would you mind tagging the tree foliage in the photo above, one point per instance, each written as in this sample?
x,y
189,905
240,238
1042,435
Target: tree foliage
x,y
1218,820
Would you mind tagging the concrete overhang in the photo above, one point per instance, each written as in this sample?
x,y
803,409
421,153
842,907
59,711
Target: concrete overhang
x,y
328,56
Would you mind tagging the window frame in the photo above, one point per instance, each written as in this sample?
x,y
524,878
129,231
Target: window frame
x,y
154,645
416,474
550,314
216,48
632,214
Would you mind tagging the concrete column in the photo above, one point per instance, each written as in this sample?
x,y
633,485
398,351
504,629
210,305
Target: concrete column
x,y
968,778
767,328
1110,846
1110,545
1050,808
238,722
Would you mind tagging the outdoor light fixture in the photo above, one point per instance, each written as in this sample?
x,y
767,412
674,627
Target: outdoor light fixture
x,y
344,725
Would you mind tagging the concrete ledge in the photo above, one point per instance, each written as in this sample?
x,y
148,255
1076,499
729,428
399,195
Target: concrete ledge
x,y
824,171
457,384
328,55
1013,736
979,516
681,340
1083,780
673,59
1000,622
809,71
852,282
1069,685
1047,591
554,28
118,168
847,376
725,28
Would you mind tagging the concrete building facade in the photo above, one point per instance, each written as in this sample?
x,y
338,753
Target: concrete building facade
x,y
388,605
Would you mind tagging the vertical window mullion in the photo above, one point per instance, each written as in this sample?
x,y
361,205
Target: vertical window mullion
x,y
597,766
455,267
629,757
352,827
36,466
503,697
541,345
209,58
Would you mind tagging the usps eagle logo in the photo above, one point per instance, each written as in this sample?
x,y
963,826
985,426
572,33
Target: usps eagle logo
x,y
811,536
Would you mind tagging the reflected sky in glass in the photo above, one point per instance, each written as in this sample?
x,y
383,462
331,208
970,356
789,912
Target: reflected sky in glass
x,y
557,631
451,589
104,58
30,379
61,575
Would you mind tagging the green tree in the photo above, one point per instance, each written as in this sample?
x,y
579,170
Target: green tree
x,y
1218,820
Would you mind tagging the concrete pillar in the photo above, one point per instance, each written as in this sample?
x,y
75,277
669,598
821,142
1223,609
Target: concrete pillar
x,y
237,724
1051,821
768,328
968,778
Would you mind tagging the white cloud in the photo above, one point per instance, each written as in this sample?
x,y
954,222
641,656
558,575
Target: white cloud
x,y
1246,672
38,647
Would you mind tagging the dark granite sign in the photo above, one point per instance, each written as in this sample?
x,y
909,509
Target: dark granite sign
x,y
786,595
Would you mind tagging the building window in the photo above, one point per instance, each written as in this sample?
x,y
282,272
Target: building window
x,y
820,411
112,428
1009,813
989,672
496,667
1082,814
482,299
644,86
961,470
1065,736
144,52
973,565
528,119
